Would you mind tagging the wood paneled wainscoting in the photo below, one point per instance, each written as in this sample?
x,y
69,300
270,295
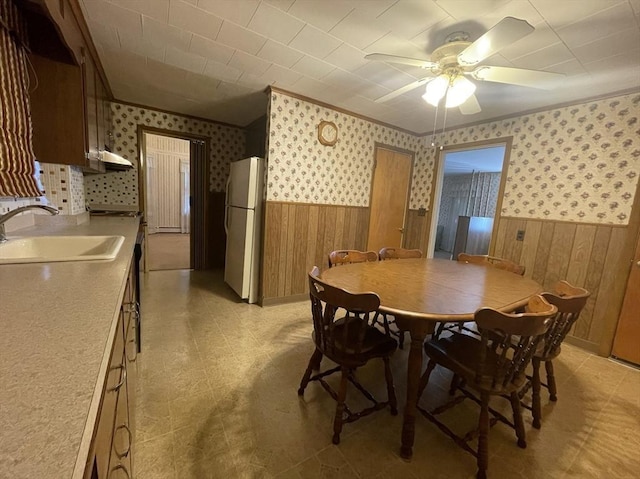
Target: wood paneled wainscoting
x,y
301,235
586,255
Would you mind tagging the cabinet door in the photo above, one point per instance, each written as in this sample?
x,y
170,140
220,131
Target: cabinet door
x,y
57,112
120,462
100,105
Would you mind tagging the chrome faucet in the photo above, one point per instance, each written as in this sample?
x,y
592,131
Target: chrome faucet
x,y
12,213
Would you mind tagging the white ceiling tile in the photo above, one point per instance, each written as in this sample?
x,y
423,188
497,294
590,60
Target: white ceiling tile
x,y
543,58
140,46
515,8
384,75
210,50
163,34
104,34
616,62
409,18
464,9
248,63
240,38
280,76
395,45
308,86
107,13
200,86
157,9
360,29
345,81
312,67
373,8
194,20
323,15
602,24
314,42
346,57
249,80
238,12
372,91
559,13
186,61
221,71
275,24
283,5
280,54
570,68
621,42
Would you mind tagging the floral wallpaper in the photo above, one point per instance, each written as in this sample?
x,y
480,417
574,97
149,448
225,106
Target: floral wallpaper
x,y
301,169
226,143
578,163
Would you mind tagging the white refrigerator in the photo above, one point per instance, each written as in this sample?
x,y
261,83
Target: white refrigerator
x,y
243,212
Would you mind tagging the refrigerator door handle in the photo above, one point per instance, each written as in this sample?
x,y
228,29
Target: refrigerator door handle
x,y
226,219
226,191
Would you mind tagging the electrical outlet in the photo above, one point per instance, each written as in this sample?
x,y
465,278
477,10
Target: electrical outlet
x,y
520,235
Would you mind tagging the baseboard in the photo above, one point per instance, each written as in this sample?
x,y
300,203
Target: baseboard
x,y
583,343
295,298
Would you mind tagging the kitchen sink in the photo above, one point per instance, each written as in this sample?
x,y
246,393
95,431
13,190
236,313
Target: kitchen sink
x,y
47,249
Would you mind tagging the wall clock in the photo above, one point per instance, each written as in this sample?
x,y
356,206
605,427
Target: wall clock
x,y
327,133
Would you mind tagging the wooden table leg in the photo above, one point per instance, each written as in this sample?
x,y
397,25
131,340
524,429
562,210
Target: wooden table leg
x,y
414,370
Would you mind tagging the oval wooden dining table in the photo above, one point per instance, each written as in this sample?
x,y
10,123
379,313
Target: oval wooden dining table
x,y
421,292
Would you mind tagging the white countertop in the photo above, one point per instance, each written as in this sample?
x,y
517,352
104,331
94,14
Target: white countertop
x,y
56,320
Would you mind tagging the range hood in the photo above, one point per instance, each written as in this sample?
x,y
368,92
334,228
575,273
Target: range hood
x,y
114,162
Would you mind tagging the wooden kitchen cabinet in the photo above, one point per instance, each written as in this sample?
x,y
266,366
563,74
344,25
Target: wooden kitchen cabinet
x,y
69,98
111,453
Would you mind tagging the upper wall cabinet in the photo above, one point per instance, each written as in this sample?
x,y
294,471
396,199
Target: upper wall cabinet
x,y
69,100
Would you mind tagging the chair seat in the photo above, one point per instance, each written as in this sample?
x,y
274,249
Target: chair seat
x,y
460,354
374,345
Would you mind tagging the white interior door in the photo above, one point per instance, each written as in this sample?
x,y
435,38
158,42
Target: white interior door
x,y
151,212
238,259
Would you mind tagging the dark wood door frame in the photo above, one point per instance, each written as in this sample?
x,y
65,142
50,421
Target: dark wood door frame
x,y
198,191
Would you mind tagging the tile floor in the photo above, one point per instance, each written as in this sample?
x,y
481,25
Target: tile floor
x,y
216,398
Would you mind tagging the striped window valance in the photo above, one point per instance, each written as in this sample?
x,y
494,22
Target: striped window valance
x,y
17,167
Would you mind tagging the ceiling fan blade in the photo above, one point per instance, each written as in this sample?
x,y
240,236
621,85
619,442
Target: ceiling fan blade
x,y
517,76
502,34
383,57
471,106
404,89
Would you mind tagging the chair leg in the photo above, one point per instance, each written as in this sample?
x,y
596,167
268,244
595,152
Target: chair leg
x,y
517,420
401,338
551,381
483,437
391,392
536,409
342,395
454,385
314,364
424,379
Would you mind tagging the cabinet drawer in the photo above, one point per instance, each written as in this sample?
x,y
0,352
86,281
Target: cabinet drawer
x,y
115,381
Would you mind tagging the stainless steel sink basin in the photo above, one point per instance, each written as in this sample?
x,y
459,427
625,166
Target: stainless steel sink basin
x,y
46,249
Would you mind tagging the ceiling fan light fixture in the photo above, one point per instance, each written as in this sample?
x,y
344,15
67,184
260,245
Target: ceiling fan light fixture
x,y
436,90
459,92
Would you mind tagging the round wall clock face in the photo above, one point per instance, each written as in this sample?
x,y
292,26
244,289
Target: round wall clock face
x,y
327,133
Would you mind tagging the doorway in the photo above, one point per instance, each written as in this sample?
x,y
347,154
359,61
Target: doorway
x,y
389,197
467,194
168,211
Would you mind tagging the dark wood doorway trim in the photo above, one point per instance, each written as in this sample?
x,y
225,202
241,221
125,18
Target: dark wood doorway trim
x,y
199,189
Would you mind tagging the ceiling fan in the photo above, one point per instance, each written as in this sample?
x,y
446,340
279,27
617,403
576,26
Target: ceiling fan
x,y
458,58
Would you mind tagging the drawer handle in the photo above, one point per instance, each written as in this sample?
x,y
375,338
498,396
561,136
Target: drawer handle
x,y
123,379
122,468
122,455
130,307
135,350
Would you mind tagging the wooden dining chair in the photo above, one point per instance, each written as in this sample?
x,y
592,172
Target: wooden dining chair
x,y
350,342
494,261
570,300
493,365
348,256
399,253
